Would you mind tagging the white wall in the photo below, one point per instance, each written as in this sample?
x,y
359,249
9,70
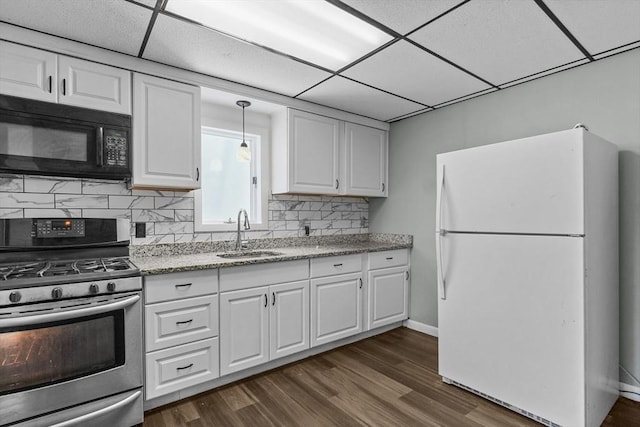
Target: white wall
x,y
604,95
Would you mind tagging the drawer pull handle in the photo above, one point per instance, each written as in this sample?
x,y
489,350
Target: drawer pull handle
x,y
274,298
337,265
389,258
407,275
361,283
184,322
184,367
266,300
183,285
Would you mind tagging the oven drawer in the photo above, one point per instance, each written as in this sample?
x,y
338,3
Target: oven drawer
x,y
188,284
330,266
179,367
180,322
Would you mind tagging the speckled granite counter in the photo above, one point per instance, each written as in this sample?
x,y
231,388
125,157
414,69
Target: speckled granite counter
x,y
172,258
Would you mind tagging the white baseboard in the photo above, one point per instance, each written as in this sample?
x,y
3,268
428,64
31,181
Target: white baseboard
x,y
630,392
421,327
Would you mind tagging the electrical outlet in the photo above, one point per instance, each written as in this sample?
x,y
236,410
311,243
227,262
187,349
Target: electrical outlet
x,y
141,229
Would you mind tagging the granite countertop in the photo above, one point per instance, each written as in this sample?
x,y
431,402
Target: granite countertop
x,y
172,258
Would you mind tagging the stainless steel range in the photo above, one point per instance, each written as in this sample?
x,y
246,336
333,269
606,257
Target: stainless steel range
x,y
70,324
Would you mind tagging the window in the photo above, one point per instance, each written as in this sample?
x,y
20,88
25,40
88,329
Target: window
x,y
229,184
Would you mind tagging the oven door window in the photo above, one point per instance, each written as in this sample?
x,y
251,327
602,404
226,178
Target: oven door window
x,y
50,353
46,145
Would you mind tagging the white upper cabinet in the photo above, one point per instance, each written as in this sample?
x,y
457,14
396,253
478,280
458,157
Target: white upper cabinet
x,y
306,153
36,74
90,85
166,134
28,73
314,154
365,155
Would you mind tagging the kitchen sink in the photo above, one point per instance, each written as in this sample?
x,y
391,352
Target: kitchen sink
x,y
249,254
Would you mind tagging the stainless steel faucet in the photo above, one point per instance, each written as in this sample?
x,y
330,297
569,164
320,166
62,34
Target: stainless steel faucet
x,y
241,244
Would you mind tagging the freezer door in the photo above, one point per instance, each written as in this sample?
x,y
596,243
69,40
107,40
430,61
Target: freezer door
x,y
512,323
531,185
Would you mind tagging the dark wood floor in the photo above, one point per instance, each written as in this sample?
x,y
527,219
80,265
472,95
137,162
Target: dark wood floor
x,y
388,380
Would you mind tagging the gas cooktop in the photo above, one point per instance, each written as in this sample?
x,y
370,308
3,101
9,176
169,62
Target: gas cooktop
x,y
34,270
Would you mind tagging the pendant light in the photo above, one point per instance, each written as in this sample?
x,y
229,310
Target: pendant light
x,y
244,153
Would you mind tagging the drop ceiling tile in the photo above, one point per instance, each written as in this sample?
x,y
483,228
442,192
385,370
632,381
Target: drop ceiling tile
x,y
115,25
190,46
402,16
344,94
499,40
599,25
408,71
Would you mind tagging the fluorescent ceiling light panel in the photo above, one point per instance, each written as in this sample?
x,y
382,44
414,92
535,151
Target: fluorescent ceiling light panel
x,y
312,30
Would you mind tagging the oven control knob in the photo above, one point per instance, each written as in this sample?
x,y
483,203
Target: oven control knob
x,y
111,286
56,293
93,288
15,296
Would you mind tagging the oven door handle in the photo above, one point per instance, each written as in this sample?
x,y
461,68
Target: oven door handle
x,y
87,417
73,313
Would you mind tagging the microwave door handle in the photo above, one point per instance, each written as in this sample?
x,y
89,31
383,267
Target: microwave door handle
x,y
100,146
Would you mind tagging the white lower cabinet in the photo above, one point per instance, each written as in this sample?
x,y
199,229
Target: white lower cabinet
x,y
388,288
244,326
289,319
181,331
262,322
336,301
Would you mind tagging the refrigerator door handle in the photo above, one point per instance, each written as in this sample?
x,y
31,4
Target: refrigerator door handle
x,y
441,234
441,279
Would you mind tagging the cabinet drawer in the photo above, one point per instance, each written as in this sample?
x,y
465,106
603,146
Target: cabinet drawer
x,y
251,276
385,259
179,367
179,322
336,265
165,287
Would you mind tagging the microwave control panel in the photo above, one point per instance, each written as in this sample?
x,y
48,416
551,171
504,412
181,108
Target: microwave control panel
x,y
116,149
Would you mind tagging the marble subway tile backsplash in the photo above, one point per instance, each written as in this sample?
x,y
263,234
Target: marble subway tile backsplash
x,y
169,215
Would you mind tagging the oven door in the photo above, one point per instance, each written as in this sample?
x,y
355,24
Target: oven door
x,y
57,355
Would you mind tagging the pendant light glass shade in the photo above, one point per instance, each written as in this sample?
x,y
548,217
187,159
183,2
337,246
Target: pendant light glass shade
x,y
244,153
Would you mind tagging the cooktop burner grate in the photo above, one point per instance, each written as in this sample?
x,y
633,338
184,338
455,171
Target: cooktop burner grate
x,y
63,268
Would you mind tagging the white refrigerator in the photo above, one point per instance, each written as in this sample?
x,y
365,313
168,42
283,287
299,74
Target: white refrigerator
x,y
527,254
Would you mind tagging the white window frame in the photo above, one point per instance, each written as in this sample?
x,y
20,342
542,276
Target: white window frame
x,y
259,157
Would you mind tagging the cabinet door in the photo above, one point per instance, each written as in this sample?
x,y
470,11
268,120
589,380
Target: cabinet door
x,y
388,296
314,143
166,134
289,318
27,72
336,303
244,329
365,154
90,85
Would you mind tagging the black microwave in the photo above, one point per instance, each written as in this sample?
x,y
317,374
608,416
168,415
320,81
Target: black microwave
x,y
43,138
